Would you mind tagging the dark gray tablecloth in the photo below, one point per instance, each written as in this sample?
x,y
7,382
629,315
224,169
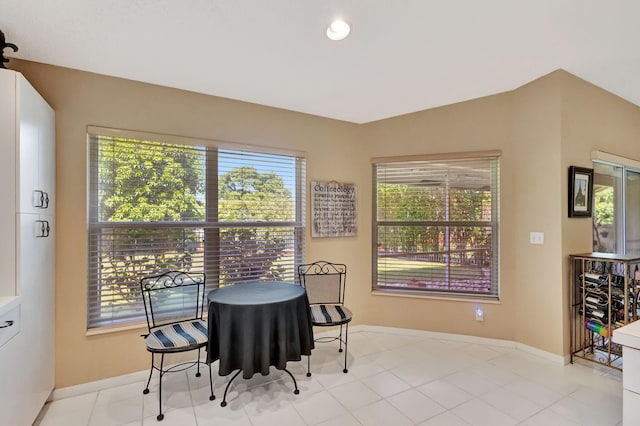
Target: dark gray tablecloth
x,y
255,325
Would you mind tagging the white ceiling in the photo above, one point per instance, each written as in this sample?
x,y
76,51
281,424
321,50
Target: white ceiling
x,y
402,55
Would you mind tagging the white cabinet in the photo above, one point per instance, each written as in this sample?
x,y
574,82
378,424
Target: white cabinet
x,y
629,337
36,173
27,212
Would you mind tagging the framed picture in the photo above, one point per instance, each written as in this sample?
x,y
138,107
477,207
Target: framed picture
x,y
580,191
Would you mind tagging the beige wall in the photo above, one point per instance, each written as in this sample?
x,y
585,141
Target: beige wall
x,y
537,207
478,125
82,99
541,129
593,119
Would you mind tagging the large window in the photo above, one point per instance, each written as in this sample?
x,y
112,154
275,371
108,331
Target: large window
x,y
156,206
436,225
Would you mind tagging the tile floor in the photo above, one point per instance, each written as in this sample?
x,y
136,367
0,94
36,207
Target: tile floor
x,y
394,378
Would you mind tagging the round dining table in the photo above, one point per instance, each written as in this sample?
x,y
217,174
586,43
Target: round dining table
x,y
256,325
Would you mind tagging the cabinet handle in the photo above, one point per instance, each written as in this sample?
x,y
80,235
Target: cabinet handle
x,y
41,200
7,324
45,228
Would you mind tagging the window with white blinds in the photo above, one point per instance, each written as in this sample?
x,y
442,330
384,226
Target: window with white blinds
x,y
156,206
436,226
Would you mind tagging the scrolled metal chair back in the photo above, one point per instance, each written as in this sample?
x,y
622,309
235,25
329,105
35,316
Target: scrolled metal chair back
x,y
173,296
324,281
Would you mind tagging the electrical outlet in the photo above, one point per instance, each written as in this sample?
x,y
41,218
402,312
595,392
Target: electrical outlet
x,y
536,237
479,314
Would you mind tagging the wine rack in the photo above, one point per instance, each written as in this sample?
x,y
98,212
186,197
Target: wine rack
x,y
604,296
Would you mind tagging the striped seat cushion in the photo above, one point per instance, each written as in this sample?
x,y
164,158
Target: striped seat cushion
x,y
330,314
178,336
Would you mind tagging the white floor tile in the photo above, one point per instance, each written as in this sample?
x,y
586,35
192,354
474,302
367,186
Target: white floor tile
x,y
362,367
118,393
534,392
335,377
477,412
547,417
285,416
346,419
586,414
471,382
444,393
319,407
495,374
177,417
445,419
511,404
117,412
420,373
80,405
75,418
213,413
480,352
415,405
381,413
354,395
386,384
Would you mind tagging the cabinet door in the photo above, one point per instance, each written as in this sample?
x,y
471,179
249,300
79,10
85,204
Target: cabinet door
x,y
36,277
36,151
15,401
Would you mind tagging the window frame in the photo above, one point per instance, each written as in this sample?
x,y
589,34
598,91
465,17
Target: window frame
x,y
626,166
494,293
210,226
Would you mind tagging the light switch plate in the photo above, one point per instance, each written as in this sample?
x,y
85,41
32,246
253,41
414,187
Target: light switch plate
x,y
536,237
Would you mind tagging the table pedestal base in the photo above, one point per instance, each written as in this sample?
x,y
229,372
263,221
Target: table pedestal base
x,y
224,398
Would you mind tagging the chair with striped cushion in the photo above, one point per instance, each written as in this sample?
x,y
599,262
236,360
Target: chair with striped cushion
x,y
174,305
325,285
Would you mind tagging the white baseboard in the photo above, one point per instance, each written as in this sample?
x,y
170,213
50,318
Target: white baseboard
x,y
436,335
141,376
98,385
549,356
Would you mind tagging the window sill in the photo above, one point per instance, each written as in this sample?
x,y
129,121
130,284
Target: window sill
x,y
452,298
139,326
117,329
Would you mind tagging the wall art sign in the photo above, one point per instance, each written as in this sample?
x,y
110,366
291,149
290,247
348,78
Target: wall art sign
x,y
580,191
333,209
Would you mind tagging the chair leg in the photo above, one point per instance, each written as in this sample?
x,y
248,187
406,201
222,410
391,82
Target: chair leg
x,y
198,368
346,337
308,365
160,415
340,339
146,389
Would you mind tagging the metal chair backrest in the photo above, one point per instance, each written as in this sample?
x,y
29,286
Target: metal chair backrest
x,y
172,297
323,281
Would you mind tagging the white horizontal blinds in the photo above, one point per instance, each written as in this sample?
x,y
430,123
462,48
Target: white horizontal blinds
x,y
256,187
147,181
120,256
260,222
436,225
156,207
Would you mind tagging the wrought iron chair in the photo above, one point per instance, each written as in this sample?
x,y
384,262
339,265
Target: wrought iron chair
x,y
174,304
325,285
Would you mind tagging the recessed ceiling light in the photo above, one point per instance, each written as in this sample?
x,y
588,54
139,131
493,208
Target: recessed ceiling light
x,y
338,30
